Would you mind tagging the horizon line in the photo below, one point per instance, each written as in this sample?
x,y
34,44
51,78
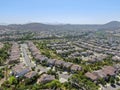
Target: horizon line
x,y
56,23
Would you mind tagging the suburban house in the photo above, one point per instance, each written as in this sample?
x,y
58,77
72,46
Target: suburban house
x,y
59,63
45,78
51,62
19,70
92,76
102,73
30,74
67,65
75,68
109,70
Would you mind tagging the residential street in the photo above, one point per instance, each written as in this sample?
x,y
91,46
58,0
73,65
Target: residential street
x,y
26,58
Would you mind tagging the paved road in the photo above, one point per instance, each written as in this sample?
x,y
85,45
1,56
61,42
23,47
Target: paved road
x,y
26,58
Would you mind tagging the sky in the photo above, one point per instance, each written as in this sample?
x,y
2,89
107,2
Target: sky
x,y
59,11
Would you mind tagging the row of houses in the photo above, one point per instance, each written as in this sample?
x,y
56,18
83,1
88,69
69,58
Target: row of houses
x,y
65,65
19,70
14,53
99,48
96,58
60,45
35,53
89,56
59,51
63,47
105,72
92,55
81,53
52,62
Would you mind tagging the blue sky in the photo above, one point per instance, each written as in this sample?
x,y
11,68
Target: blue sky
x,y
59,11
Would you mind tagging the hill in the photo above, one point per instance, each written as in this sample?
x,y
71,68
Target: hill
x,y
45,27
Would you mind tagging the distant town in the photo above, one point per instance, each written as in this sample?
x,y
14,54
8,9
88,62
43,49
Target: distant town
x,y
38,56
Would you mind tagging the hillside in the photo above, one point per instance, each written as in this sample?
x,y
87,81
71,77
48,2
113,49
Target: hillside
x,y
45,27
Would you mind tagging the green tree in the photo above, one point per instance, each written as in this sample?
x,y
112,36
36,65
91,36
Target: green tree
x,y
13,80
53,84
102,81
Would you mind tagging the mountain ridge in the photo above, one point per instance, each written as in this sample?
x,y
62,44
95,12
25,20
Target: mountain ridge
x,y
41,26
